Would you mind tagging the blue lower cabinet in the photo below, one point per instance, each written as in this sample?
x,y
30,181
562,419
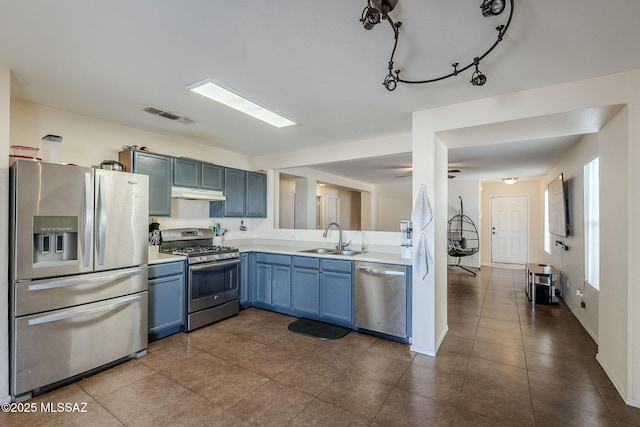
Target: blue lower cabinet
x,y
245,295
337,298
312,287
166,299
273,282
281,287
305,291
263,284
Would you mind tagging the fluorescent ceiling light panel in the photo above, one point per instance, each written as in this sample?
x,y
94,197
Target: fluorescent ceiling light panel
x,y
230,98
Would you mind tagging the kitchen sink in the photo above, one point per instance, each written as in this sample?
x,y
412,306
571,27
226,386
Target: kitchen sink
x,y
331,251
346,252
319,251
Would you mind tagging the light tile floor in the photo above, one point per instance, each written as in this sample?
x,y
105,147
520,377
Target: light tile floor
x,y
503,362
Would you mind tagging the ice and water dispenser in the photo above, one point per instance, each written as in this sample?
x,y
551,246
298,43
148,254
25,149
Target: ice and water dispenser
x,y
406,238
55,239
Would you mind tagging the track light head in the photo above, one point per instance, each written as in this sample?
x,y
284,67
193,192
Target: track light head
x,y
370,18
492,7
390,83
477,78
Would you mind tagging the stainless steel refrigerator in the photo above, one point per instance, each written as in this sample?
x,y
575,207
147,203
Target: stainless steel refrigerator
x,y
78,291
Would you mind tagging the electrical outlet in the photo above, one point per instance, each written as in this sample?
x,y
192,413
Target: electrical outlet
x,y
578,293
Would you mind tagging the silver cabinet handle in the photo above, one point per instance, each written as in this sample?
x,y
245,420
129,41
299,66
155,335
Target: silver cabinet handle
x,y
80,280
102,217
381,272
88,219
77,313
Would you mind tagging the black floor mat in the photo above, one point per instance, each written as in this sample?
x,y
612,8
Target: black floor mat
x,y
313,328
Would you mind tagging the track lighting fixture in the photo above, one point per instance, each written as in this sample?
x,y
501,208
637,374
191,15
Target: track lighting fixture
x,y
378,10
477,78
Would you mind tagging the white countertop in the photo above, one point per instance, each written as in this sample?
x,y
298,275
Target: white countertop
x,y
391,258
155,257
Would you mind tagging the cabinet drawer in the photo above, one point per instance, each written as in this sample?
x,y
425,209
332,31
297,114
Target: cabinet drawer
x,y
336,265
306,261
273,258
52,346
165,269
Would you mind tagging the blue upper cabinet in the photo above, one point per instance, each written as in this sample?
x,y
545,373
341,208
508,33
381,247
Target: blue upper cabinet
x,y
187,173
212,177
192,173
235,183
256,201
246,194
159,168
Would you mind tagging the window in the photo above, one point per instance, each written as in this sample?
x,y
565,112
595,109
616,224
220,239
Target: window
x,y
547,236
592,223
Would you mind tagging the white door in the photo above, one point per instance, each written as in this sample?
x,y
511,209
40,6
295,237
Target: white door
x,y
509,229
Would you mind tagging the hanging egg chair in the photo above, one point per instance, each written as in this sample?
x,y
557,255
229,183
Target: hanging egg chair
x,y
463,239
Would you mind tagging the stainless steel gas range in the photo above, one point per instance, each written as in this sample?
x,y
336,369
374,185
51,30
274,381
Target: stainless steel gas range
x,y
213,275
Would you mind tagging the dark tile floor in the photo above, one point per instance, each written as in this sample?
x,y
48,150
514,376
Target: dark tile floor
x,y
503,362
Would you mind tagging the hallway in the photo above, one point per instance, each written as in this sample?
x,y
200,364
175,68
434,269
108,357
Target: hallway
x,y
523,364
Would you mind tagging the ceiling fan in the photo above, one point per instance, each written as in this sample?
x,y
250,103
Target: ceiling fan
x,y
449,172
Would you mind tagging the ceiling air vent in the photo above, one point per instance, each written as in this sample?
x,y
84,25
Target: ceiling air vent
x,y
168,115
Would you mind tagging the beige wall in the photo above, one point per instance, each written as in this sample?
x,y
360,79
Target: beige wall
x,y
529,188
571,262
287,192
618,331
393,204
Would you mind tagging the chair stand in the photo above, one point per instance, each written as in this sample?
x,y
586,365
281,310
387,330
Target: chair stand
x,y
465,268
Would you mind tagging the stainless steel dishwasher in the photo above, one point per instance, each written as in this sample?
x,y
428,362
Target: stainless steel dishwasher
x,y
381,298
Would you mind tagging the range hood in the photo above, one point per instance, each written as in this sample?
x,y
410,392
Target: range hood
x,y
196,194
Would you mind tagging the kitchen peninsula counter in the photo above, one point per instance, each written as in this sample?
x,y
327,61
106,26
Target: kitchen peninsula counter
x,y
383,257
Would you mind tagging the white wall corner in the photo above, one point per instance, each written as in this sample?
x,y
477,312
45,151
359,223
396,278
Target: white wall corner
x,y
5,105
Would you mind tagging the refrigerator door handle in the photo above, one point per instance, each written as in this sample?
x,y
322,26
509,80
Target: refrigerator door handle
x,y
82,312
82,280
88,220
102,218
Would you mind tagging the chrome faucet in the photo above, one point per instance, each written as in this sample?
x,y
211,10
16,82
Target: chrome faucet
x,y
341,246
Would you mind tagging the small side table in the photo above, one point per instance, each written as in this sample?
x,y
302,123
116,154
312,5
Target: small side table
x,y
541,275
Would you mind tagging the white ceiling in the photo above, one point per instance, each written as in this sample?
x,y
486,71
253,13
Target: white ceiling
x,y
312,61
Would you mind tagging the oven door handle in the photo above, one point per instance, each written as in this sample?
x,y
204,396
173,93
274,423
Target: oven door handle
x,y
214,264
